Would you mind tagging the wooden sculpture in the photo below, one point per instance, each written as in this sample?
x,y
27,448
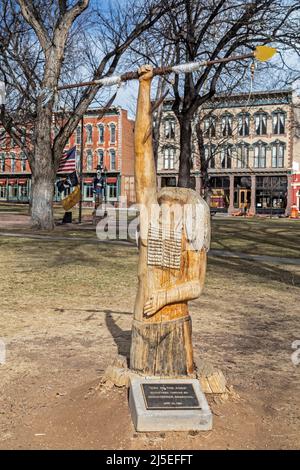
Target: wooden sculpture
x,y
172,258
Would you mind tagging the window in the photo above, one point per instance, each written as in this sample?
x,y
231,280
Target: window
x,y
111,190
78,135
259,155
210,126
278,122
89,160
242,151
100,157
101,133
169,128
23,135
88,191
278,155
23,161
243,124
226,157
89,134
2,162
226,124
3,192
260,120
209,153
112,154
12,162
112,138
169,154
23,192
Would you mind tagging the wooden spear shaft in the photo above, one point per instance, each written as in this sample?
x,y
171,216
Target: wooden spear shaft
x,y
158,71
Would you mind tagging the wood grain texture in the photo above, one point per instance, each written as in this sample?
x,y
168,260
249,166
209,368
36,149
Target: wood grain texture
x,y
161,332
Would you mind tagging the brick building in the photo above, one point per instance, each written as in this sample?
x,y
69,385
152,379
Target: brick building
x,y
109,138
251,148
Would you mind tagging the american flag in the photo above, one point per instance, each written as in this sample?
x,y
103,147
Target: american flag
x,y
67,163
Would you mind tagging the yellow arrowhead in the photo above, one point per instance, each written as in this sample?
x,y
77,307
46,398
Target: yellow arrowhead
x,y
264,53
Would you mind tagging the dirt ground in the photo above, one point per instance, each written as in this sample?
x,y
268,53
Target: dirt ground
x,y
66,312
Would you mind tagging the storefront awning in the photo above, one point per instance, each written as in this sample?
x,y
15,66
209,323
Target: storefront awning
x,y
2,182
12,181
23,181
88,180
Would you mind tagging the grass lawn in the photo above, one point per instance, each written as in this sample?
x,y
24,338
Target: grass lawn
x,y
66,311
260,236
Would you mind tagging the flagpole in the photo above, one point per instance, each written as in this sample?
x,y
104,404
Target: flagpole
x,y
80,172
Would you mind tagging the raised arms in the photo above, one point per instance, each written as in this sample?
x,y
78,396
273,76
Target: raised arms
x,y
145,173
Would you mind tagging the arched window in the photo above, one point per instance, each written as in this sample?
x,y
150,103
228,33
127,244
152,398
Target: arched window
x,y
278,149
112,155
89,160
100,157
210,123
260,149
23,161
209,152
243,124
226,124
112,129
78,135
12,162
169,128
2,162
226,156
278,118
260,120
169,156
89,134
101,133
242,155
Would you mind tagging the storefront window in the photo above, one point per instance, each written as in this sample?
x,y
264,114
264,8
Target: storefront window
x,y
3,192
271,194
88,191
112,190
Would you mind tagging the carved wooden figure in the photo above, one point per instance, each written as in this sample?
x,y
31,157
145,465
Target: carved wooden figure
x,y
174,239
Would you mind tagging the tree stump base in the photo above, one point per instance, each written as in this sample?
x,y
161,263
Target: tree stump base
x,y
162,349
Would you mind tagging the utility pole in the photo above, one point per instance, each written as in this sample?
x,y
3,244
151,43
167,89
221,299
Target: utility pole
x,y
80,172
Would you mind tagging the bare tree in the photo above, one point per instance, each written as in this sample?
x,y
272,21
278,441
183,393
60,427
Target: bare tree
x,y
36,37
199,30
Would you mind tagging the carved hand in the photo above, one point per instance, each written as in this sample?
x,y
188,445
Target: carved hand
x,y
145,72
155,302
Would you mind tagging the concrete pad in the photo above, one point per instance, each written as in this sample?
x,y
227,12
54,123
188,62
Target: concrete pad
x,y
197,418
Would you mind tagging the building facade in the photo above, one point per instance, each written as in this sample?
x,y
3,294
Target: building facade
x,y
107,137
250,147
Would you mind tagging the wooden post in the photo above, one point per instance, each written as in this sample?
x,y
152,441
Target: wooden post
x,y
172,258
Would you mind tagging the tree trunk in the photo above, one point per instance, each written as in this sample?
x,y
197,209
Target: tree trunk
x,y
43,174
42,200
163,348
185,163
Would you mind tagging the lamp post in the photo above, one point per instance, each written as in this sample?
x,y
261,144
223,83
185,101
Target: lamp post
x,y
99,189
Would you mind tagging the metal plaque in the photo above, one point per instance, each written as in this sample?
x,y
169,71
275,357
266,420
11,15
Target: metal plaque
x,y
166,396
